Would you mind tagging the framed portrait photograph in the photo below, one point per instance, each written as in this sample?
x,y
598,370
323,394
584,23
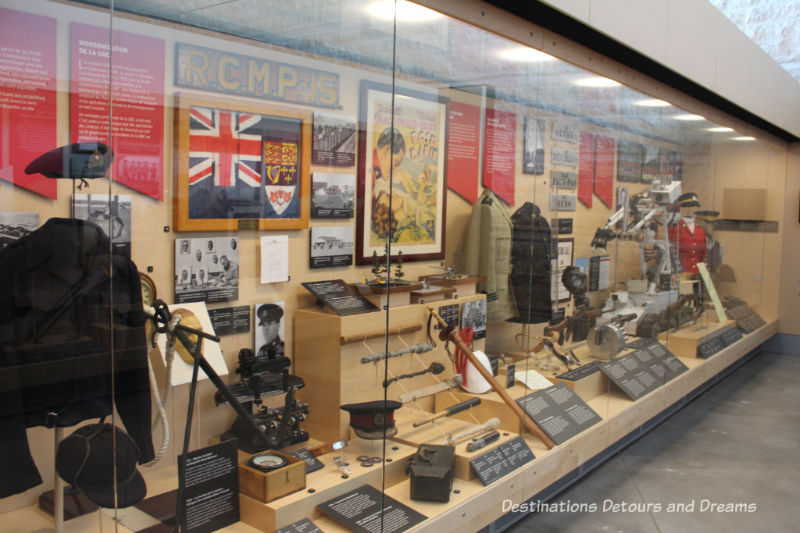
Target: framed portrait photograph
x,y
565,251
401,173
240,166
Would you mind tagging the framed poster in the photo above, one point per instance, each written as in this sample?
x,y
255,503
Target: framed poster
x,y
565,248
401,173
331,246
240,166
533,156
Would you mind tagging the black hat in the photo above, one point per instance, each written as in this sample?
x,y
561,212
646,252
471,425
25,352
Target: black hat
x,y
273,312
373,420
688,199
86,457
79,161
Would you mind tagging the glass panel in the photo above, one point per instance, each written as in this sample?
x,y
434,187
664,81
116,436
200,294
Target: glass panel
x,y
355,205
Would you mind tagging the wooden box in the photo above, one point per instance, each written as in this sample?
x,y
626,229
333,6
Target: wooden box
x,y
268,486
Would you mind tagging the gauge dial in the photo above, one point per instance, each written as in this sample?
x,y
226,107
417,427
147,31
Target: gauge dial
x,y
267,462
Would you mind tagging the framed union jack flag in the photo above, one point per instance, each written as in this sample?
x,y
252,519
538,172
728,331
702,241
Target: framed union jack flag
x,y
240,166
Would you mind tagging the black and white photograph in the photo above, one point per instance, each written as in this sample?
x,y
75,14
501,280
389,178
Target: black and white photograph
x,y
473,314
334,140
14,226
533,158
331,246
269,332
332,195
206,269
113,217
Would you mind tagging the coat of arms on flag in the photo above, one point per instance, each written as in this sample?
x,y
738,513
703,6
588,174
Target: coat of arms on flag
x,y
242,165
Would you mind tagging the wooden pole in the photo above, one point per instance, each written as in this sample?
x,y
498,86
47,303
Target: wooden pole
x,y
528,422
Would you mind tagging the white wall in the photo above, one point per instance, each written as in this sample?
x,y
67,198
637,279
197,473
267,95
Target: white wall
x,y
696,40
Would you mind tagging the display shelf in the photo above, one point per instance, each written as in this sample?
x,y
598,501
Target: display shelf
x,y
685,341
474,506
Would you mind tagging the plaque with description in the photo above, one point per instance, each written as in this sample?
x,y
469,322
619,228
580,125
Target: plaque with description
x,y
312,463
581,372
504,459
731,336
644,370
360,510
561,226
301,526
230,320
211,490
660,361
710,347
560,412
338,295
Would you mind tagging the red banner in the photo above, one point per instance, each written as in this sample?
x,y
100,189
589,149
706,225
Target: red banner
x,y
463,148
499,153
27,97
586,168
604,169
138,117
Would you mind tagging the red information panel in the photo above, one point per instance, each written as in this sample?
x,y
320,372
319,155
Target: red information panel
x,y
138,114
463,148
604,169
499,153
27,97
586,168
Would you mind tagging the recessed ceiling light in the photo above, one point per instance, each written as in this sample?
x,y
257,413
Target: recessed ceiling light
x,y
719,129
596,81
744,138
523,53
406,11
689,117
653,102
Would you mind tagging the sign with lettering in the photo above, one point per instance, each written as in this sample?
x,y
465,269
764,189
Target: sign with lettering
x,y
562,202
565,157
225,72
563,180
565,131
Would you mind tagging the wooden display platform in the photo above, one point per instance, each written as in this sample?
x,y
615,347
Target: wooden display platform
x,y
472,506
684,342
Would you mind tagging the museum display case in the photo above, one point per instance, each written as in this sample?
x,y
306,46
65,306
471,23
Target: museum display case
x,y
353,265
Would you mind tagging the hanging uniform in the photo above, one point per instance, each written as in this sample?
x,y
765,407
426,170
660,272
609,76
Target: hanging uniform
x,y
67,300
487,252
531,251
691,245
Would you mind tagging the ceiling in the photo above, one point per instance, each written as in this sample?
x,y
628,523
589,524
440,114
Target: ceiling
x,y
437,51
773,24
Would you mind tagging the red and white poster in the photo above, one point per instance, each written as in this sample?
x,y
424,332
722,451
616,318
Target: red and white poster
x,y
27,97
586,168
463,150
604,169
138,100
499,153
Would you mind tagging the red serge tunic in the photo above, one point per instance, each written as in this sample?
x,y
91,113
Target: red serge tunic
x,y
691,245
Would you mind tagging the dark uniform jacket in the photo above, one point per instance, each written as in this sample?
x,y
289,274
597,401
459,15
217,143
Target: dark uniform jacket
x,y
67,303
531,249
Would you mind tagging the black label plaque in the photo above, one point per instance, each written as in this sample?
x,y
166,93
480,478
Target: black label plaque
x,y
511,372
710,347
730,336
581,372
312,463
301,526
360,510
449,314
211,493
560,412
230,320
561,226
644,370
338,295
502,460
